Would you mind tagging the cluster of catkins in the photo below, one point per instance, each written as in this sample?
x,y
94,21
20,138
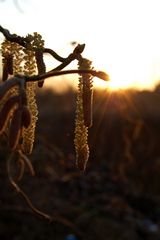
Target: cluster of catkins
x,y
18,109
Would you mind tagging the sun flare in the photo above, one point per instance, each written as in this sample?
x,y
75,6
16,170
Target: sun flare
x,y
127,72
124,41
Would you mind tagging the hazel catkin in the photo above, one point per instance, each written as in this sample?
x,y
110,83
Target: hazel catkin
x,y
87,91
87,105
81,131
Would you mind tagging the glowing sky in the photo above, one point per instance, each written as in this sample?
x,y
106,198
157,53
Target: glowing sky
x,y
122,37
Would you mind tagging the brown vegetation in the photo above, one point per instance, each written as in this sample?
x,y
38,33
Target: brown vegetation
x,y
118,195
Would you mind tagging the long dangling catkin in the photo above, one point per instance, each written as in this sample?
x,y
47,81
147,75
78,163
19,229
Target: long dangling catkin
x,y
30,69
11,56
12,52
83,115
22,61
29,133
87,94
18,56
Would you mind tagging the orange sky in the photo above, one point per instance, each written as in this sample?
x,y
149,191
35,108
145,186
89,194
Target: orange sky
x,y
122,36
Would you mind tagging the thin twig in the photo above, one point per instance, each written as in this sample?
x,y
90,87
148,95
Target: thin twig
x,y
65,61
22,167
75,55
27,161
100,74
54,54
22,193
56,218
13,37
17,78
24,43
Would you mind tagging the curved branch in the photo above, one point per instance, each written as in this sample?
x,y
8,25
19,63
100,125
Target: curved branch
x,y
54,54
102,75
13,37
75,55
64,61
24,42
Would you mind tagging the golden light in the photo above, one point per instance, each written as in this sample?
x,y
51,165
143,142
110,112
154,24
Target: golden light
x,y
128,69
100,84
123,41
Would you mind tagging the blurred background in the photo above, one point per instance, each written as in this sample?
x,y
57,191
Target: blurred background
x,y
117,197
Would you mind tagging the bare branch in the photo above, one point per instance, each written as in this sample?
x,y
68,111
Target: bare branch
x,y
25,41
22,167
13,37
64,61
22,193
99,74
55,218
24,158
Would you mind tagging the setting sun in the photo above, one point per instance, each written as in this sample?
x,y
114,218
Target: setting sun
x,y
121,37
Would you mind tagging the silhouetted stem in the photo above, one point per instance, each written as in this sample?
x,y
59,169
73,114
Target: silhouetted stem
x,y
24,43
99,74
65,61
75,55
22,193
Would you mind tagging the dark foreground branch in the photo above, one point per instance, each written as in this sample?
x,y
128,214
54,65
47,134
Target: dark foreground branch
x,y
76,54
18,189
100,74
55,218
24,42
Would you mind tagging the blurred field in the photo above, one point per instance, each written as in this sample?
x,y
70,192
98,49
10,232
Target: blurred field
x,y
118,195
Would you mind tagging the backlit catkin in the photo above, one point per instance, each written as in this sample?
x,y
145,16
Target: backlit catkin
x,y
84,106
19,60
11,59
87,93
29,133
30,68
